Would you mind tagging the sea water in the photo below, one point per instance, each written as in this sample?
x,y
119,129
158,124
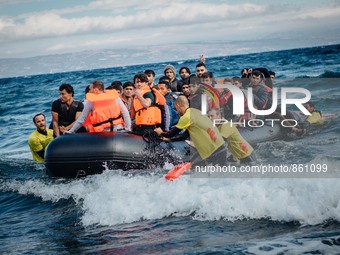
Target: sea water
x,y
140,212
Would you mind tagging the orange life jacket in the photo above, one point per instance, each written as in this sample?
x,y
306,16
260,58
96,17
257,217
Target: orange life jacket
x,y
107,112
151,115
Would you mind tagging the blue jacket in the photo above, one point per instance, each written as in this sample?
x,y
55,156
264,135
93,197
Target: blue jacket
x,y
170,101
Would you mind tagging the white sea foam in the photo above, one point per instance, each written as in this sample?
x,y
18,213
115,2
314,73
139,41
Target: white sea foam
x,y
115,198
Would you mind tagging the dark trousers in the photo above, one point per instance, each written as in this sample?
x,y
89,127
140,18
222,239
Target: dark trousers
x,y
217,158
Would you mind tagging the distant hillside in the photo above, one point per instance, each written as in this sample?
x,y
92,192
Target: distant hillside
x,y
88,60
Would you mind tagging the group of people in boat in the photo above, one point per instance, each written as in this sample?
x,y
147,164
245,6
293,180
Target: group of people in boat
x,y
170,108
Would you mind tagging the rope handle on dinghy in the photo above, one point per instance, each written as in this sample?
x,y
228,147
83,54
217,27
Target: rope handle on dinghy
x,y
80,173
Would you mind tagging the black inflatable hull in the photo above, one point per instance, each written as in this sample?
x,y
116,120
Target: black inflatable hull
x,y
82,154
266,133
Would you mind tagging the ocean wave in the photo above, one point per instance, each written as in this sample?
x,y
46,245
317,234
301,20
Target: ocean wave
x,y
325,74
113,198
330,74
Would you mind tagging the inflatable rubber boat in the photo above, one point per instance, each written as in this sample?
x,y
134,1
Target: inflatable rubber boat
x,y
264,133
83,154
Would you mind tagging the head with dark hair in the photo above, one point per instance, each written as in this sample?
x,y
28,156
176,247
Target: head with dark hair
x,y
309,103
185,89
244,72
257,73
164,87
310,107
207,78
66,93
142,77
194,82
128,84
148,72
184,72
116,83
256,78
38,114
201,64
200,69
237,81
109,87
67,87
140,80
164,78
151,77
271,73
87,89
128,89
165,82
116,86
207,75
185,68
39,121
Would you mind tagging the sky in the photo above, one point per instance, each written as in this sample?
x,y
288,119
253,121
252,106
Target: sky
x,y
31,28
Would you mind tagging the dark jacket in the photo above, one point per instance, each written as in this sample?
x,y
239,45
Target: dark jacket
x,y
261,97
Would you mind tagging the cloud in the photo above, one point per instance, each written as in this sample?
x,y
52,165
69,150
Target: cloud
x,y
13,2
88,44
320,13
122,23
52,24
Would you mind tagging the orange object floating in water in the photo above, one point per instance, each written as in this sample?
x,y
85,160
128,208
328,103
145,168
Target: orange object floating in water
x,y
178,171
